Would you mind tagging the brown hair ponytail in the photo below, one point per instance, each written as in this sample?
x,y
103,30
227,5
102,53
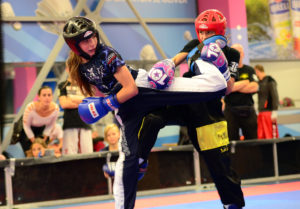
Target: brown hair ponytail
x,y
73,63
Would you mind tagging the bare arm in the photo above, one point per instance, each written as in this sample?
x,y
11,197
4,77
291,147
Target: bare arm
x,y
230,84
252,87
179,58
27,118
69,102
238,85
129,88
76,98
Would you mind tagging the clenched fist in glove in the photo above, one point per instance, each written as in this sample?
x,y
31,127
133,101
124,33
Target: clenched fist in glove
x,y
161,75
109,169
214,54
93,109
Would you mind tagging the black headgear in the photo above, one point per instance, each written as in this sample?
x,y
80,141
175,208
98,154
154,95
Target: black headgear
x,y
78,29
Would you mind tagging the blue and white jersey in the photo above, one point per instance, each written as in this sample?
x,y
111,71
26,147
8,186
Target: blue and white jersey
x,y
100,70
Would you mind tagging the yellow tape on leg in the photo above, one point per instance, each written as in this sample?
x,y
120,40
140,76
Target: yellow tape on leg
x,y
212,136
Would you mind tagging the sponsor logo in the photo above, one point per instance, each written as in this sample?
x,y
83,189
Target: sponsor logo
x,y
244,76
108,102
203,26
111,58
279,7
93,110
295,5
89,32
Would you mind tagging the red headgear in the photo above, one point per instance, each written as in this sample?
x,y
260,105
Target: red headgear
x,y
211,19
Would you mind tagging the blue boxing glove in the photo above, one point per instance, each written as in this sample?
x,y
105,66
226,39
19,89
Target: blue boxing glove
x,y
93,109
109,168
214,54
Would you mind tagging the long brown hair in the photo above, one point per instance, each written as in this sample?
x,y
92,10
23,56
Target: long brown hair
x,y
73,63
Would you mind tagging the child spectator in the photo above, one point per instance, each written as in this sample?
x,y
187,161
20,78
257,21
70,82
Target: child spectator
x,y
37,148
111,136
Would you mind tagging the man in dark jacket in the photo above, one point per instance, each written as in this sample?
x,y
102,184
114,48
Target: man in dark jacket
x,y
267,105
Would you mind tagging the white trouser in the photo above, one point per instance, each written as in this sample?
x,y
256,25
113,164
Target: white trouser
x,y
77,140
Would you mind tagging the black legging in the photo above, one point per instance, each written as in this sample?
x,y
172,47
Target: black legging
x,y
25,142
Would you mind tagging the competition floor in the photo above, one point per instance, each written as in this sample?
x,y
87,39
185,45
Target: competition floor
x,y
270,196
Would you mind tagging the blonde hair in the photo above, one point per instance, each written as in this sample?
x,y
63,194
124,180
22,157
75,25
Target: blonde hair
x,y
260,68
37,140
109,127
73,63
40,141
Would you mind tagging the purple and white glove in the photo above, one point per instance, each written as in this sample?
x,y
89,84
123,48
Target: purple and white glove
x,y
161,75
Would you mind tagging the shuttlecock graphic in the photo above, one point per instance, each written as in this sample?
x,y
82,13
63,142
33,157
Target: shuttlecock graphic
x,y
148,53
7,11
187,35
53,8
